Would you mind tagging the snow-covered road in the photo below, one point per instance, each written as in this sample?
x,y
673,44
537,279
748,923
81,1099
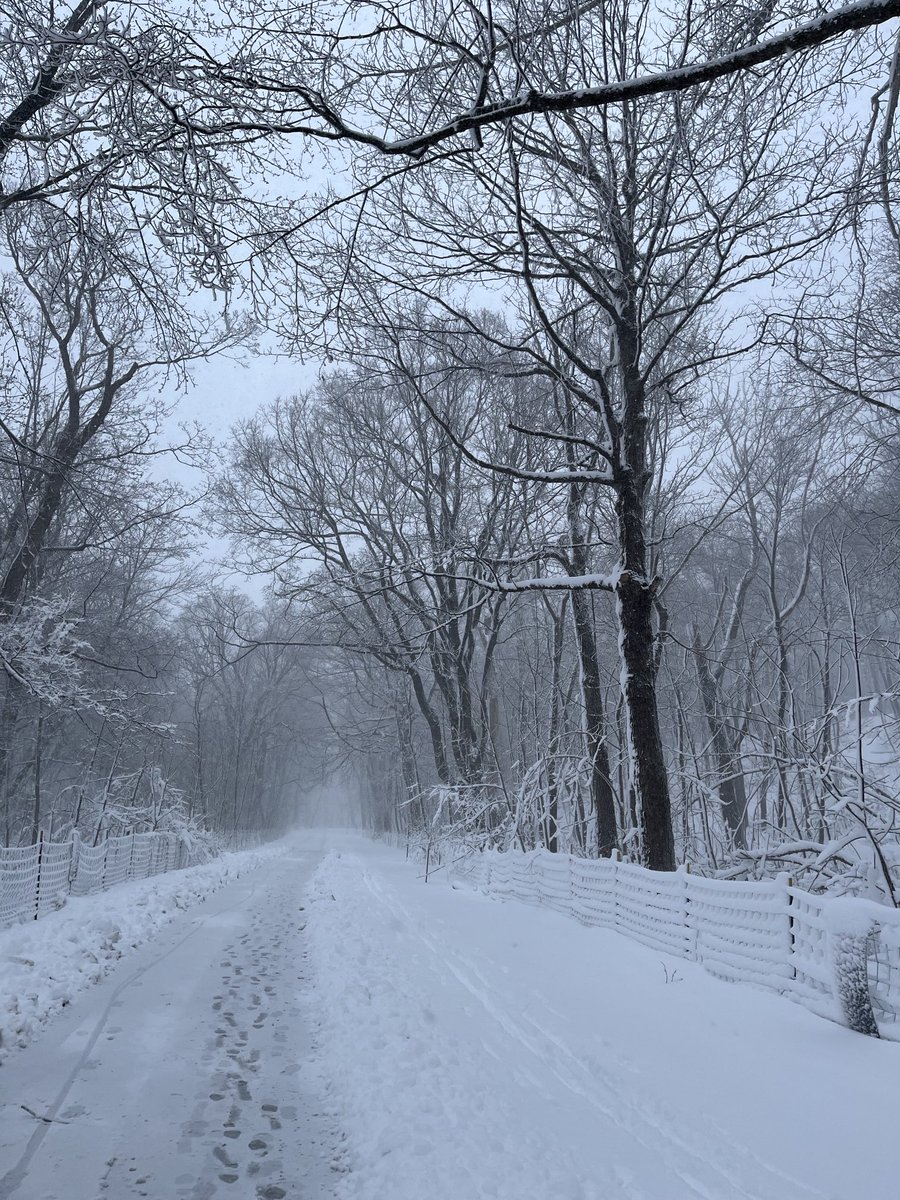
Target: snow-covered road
x,y
329,1026
181,1076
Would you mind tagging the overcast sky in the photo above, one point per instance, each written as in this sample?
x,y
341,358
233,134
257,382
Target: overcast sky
x,y
225,391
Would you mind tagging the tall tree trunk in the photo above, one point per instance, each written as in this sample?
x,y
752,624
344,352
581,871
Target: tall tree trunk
x,y
38,752
730,777
602,796
603,799
634,602
828,740
781,740
551,818
9,716
648,768
432,720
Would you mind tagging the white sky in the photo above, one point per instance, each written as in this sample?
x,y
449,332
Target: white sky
x,y
224,392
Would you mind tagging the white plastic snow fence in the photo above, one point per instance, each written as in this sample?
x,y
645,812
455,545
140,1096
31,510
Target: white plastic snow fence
x,y
837,956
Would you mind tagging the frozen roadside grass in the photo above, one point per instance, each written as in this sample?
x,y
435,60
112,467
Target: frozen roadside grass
x,y
44,964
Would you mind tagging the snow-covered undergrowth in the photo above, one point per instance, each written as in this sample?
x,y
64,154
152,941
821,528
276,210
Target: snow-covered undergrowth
x,y
471,1050
45,963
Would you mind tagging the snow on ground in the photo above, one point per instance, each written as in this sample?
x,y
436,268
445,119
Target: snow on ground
x,y
44,964
339,1026
182,1075
472,1049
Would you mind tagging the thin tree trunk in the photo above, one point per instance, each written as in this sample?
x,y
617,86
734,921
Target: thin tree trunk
x,y
38,751
602,797
551,821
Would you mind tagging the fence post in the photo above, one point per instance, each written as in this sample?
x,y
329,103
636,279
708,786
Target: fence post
x,y
37,880
105,859
615,858
130,874
688,922
789,884
74,855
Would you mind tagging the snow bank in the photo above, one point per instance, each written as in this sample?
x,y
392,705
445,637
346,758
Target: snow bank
x,y
44,964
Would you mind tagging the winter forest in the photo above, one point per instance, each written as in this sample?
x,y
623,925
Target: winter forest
x,y
580,528
449,599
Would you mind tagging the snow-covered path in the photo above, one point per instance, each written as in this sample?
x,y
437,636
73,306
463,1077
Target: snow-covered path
x,y
478,1050
181,1076
329,1026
